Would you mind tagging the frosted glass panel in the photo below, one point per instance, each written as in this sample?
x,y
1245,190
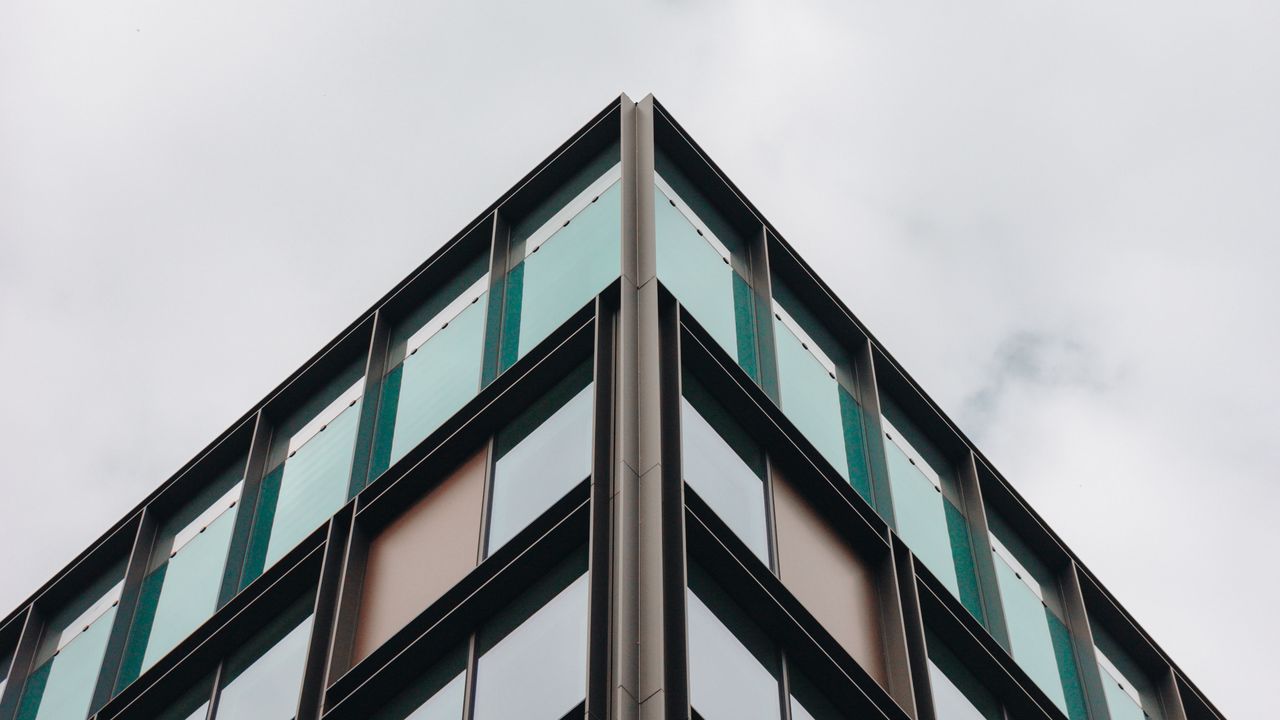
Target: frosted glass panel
x,y
62,687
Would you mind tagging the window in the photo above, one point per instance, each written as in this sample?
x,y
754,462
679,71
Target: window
x,y
1039,640
1129,694
705,270
438,695
184,577
807,703
733,666
957,695
439,353
309,479
263,680
61,685
724,467
563,254
926,507
814,381
541,455
192,705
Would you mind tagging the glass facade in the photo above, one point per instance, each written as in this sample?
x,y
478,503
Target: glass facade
x,y
309,483
724,467
733,666
184,578
706,271
1129,694
926,509
439,355
62,683
1038,637
562,255
815,378
957,694
543,454
262,681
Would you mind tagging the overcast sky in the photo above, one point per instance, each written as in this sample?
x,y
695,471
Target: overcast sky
x,y
1063,218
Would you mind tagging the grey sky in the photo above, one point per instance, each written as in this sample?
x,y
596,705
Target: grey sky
x,y
1062,218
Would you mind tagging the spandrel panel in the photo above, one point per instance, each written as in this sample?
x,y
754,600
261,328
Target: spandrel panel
x,y
723,479
563,272
538,671
703,280
178,596
1040,643
61,688
534,471
727,681
266,686
311,485
433,383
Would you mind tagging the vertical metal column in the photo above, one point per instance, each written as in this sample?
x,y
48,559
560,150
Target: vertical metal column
x,y
1082,643
975,513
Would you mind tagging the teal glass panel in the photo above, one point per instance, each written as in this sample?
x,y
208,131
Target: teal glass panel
x,y
538,669
1119,704
541,458
61,688
703,280
563,273
822,409
265,679
1040,642
1129,692
431,384
957,694
178,596
733,673
725,470
300,495
919,512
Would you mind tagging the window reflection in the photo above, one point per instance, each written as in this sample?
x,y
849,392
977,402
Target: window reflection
x,y
263,681
541,455
957,694
733,673
438,695
724,467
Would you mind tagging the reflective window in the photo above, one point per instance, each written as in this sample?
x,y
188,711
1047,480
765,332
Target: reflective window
x,y
706,272
1130,696
733,667
262,681
807,703
309,483
1039,639
437,695
180,590
534,665
193,705
543,454
439,359
957,695
814,380
925,510
724,467
559,265
70,657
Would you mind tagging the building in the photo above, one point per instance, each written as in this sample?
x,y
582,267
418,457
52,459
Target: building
x,y
614,451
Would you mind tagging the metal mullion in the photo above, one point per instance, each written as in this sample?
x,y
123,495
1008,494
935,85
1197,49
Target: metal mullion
x,y
323,611
784,686
24,654
974,508
913,619
599,548
869,398
247,515
469,683
375,369
893,621
762,292
1170,697
135,571
486,498
1077,620
215,692
495,319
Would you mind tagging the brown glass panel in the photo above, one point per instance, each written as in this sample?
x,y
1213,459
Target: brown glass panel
x,y
420,555
829,577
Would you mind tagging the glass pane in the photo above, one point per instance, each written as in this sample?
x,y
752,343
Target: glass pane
x,y
957,694
1124,682
62,684
807,703
728,679
439,375
264,684
193,705
180,594
1040,643
560,274
541,460
1119,703
312,483
716,471
537,671
695,266
438,695
821,408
